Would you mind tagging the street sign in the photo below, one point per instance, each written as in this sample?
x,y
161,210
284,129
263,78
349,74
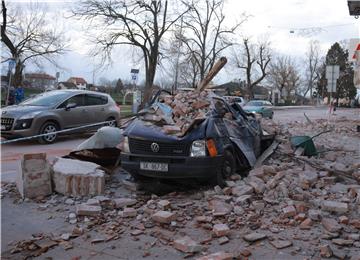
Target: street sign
x,y
332,74
134,75
12,64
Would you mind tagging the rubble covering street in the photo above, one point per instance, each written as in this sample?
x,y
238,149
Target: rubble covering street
x,y
306,207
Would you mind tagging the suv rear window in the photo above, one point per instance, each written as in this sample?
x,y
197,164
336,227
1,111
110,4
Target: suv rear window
x,y
93,100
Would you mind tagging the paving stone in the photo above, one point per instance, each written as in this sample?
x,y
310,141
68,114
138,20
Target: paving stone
x,y
331,225
217,256
77,178
280,244
221,230
187,245
33,178
87,210
164,217
252,237
334,206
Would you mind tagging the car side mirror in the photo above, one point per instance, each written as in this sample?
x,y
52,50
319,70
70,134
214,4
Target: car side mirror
x,y
70,106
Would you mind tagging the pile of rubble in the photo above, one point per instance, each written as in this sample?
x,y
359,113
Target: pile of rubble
x,y
308,206
175,114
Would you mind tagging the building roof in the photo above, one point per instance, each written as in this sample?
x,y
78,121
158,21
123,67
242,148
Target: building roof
x,y
77,80
69,85
39,76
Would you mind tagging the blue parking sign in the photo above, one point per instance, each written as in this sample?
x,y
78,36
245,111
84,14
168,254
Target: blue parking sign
x,y
12,64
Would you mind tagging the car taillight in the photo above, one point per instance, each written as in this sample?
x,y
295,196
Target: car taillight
x,y
211,147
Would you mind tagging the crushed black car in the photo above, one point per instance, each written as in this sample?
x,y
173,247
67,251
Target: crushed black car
x,y
192,135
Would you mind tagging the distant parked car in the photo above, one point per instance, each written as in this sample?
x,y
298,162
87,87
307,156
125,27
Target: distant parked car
x,y
235,99
57,110
262,107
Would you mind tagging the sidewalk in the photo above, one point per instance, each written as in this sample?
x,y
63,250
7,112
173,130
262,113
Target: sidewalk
x,y
296,107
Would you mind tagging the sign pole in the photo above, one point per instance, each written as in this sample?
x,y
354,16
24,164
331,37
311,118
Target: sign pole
x,y
12,64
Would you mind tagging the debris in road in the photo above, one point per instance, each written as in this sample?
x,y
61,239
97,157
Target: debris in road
x,y
164,216
280,244
252,237
33,179
77,178
187,245
87,210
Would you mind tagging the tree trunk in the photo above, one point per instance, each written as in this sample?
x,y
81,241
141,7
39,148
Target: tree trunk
x,y
17,79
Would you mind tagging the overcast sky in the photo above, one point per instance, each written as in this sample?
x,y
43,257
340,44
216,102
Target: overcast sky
x,y
289,25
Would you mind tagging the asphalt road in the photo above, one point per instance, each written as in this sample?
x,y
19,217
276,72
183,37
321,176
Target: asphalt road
x,y
11,153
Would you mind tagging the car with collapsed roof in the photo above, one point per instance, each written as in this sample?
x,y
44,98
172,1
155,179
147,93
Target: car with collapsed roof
x,y
191,135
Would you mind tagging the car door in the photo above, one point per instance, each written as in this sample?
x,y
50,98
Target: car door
x,y
97,107
76,116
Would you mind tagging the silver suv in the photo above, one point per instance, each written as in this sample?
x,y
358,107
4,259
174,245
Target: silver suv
x,y
57,110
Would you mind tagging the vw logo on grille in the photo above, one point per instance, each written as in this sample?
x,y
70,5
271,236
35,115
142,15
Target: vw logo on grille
x,y
154,147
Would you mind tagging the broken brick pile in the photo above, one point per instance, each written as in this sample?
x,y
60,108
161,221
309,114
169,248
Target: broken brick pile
x,y
185,107
307,206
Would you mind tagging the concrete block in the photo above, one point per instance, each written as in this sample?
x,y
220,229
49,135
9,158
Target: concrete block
x,y
335,206
34,177
187,245
164,217
87,210
78,178
221,230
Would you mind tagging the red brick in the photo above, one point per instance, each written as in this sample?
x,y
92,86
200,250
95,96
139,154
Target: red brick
x,y
306,224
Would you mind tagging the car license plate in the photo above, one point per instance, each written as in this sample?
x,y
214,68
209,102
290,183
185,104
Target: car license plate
x,y
3,127
150,166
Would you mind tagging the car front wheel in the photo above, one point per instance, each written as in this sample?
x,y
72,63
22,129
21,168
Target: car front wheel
x,y
47,128
228,168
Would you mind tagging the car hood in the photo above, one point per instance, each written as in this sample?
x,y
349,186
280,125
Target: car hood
x,y
19,110
140,130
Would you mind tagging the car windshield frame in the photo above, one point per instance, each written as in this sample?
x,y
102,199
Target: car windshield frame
x,y
47,99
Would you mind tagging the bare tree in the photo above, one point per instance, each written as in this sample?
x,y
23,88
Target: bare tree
x,y
284,76
206,35
254,59
140,23
313,63
28,37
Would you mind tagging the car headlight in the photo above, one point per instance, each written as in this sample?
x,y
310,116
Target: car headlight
x,y
124,145
23,123
198,148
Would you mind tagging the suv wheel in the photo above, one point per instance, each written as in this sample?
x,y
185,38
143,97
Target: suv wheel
x,y
227,169
112,122
48,127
